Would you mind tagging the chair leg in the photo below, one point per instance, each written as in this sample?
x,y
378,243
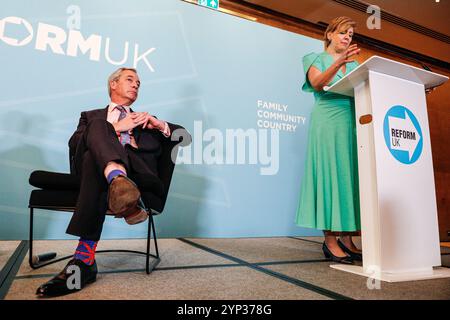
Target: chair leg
x,y
151,227
30,251
147,257
148,266
155,238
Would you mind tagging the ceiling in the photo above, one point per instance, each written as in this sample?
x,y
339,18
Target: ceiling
x,y
428,13
423,26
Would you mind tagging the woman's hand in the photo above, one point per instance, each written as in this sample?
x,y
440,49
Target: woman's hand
x,y
320,79
350,52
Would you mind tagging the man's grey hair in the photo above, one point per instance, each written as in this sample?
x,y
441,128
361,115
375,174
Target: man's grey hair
x,y
116,75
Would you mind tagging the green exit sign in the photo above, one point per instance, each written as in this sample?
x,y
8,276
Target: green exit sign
x,y
213,4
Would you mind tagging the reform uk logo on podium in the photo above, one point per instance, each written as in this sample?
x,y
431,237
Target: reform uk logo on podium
x,y
403,134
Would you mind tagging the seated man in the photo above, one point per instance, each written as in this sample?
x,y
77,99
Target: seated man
x,y
108,147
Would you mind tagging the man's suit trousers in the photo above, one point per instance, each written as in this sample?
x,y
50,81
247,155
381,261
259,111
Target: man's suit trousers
x,y
98,146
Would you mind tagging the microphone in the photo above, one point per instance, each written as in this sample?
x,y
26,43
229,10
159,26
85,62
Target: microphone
x,y
43,257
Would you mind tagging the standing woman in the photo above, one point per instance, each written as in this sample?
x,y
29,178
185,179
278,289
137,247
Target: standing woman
x,y
329,197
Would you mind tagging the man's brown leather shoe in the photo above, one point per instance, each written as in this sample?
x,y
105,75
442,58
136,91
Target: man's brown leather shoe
x,y
123,195
140,215
135,214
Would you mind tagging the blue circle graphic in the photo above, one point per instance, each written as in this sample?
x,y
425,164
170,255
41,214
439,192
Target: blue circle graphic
x,y
402,134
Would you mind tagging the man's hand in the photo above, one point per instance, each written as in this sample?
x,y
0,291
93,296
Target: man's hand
x,y
152,123
131,121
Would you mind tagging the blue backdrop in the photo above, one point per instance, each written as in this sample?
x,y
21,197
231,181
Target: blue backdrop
x,y
208,71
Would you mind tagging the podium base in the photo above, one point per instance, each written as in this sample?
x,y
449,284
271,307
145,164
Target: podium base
x,y
435,273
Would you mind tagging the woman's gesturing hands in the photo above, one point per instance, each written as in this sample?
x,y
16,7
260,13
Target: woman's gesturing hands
x,y
351,51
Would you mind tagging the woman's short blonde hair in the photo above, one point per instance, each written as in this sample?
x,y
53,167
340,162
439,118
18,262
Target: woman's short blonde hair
x,y
339,23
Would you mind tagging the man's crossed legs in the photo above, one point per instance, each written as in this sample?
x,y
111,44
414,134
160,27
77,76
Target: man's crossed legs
x,y
103,185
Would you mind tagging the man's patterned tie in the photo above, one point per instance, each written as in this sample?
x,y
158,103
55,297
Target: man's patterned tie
x,y
124,135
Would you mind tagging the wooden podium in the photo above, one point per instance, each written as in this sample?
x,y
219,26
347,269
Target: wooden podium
x,y
399,226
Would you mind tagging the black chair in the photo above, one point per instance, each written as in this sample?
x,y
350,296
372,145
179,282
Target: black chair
x,y
59,192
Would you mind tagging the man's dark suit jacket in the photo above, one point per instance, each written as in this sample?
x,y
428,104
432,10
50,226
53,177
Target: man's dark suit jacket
x,y
148,140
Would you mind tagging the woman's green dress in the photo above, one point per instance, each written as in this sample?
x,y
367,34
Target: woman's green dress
x,y
329,196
